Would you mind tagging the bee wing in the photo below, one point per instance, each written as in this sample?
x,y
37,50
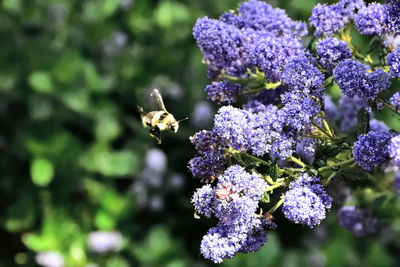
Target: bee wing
x,y
196,216
158,98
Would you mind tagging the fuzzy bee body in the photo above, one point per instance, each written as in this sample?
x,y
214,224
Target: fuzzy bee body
x,y
159,120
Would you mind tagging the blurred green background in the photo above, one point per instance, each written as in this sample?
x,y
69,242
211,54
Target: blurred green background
x,y
75,158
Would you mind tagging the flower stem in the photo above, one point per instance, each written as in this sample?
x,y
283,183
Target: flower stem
x,y
298,161
327,128
238,159
330,177
330,136
272,187
253,90
272,85
269,180
276,206
257,159
336,165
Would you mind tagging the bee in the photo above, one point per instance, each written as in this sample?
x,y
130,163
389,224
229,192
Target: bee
x,y
159,120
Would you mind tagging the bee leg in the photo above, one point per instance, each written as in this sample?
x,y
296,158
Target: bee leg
x,y
156,133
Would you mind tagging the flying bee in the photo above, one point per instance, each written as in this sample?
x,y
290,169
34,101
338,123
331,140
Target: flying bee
x,y
159,120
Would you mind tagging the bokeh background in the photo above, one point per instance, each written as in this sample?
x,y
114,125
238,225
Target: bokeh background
x,y
75,160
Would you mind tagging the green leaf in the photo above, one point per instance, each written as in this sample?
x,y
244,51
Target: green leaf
x,y
41,81
363,121
169,13
353,174
68,67
12,5
109,7
121,163
377,256
42,172
117,261
37,242
104,221
107,128
20,215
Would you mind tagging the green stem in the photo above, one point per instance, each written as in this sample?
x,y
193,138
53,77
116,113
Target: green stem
x,y
327,128
257,159
253,90
330,177
298,161
276,206
293,171
324,132
280,180
268,179
272,85
336,165
238,159
272,187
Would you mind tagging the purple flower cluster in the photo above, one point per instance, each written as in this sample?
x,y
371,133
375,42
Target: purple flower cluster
x,y
395,101
358,221
260,133
299,110
348,111
394,149
306,149
211,160
371,19
223,45
263,17
326,19
234,201
349,8
375,125
371,150
223,92
391,42
307,201
379,18
233,42
282,121
393,16
203,200
331,51
393,60
103,242
300,74
270,54
329,19
330,109
355,79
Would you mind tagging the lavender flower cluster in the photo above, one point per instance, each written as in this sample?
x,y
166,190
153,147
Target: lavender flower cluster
x,y
285,134
306,202
234,201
